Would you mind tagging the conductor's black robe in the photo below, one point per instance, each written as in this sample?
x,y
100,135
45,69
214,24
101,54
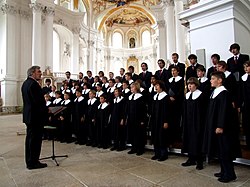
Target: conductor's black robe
x,y
160,115
193,123
224,146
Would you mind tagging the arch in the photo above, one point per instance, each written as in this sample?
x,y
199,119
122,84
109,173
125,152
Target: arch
x,y
117,37
113,10
132,33
145,38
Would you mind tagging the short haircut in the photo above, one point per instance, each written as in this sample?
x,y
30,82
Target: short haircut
x,y
161,60
136,85
125,82
176,67
112,80
129,74
218,75
234,46
81,73
193,80
47,95
101,72
105,78
48,80
161,84
87,85
67,72
93,91
154,76
122,69
32,70
131,67
119,91
79,90
223,64
201,68
145,64
104,96
246,64
67,93
58,92
216,56
118,78
175,54
192,56
89,71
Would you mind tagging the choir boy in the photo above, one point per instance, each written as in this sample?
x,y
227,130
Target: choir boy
x,y
117,122
160,122
78,116
136,115
48,104
193,124
125,90
96,81
99,91
47,88
204,82
191,70
110,91
91,110
215,58
52,94
105,84
65,129
245,102
118,83
102,120
128,77
220,135
175,58
85,91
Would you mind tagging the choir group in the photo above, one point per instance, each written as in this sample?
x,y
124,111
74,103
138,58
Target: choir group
x,y
113,112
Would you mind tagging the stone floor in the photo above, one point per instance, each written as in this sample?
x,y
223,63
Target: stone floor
x,y
87,166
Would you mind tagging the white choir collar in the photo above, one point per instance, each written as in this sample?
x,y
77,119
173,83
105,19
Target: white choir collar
x,y
94,84
79,99
161,95
195,94
104,105
98,94
137,96
141,89
152,88
244,77
92,101
65,102
111,89
106,85
227,73
217,91
203,79
52,94
126,90
48,103
118,85
58,100
66,91
176,79
118,99
85,91
130,81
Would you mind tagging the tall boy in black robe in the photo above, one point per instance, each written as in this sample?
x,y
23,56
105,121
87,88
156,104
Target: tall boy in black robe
x,y
160,122
220,135
193,124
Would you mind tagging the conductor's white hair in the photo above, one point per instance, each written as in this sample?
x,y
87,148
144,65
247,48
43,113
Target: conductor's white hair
x,y
31,70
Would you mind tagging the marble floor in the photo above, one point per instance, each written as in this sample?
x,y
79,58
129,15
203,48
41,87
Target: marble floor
x,y
87,166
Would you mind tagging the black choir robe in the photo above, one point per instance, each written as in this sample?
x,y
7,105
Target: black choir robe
x,y
151,95
160,115
91,110
224,146
117,115
211,70
136,114
192,71
176,90
237,67
85,94
135,77
205,87
46,90
78,124
162,75
232,86
193,121
110,95
65,128
126,93
105,87
244,103
181,66
102,121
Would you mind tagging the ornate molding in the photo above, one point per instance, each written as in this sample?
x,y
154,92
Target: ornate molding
x,y
76,30
61,22
91,43
168,2
24,14
49,11
161,23
9,9
36,7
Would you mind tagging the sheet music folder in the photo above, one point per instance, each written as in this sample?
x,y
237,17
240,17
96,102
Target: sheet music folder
x,y
56,109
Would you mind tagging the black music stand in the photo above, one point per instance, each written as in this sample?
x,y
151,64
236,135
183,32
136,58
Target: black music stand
x,y
54,110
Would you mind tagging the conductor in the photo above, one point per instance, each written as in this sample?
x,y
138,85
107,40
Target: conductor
x,y
34,116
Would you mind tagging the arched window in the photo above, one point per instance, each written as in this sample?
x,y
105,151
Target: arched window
x,y
146,38
117,40
56,51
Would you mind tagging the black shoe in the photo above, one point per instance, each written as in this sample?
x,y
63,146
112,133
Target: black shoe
x,y
226,179
163,158
88,144
121,149
77,142
199,166
38,166
132,152
154,157
99,146
113,148
94,145
218,175
188,163
139,153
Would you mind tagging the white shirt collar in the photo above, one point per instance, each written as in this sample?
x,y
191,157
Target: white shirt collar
x,y
244,77
126,90
85,91
152,88
79,99
65,102
195,94
111,89
217,91
48,103
92,101
130,81
98,94
118,85
56,101
52,94
227,73
176,79
203,79
118,99
141,89
161,95
137,96
104,105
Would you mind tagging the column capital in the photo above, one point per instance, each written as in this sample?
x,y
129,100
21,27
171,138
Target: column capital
x,y
49,11
8,9
36,7
161,23
168,2
76,30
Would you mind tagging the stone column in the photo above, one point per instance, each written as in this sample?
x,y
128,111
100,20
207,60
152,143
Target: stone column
x,y
169,18
75,52
36,34
180,34
161,39
49,37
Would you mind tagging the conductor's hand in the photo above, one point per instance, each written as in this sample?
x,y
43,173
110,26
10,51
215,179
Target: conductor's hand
x,y
219,130
61,118
82,119
93,120
49,118
122,122
142,123
165,125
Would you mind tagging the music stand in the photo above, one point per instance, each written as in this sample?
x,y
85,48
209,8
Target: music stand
x,y
54,111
